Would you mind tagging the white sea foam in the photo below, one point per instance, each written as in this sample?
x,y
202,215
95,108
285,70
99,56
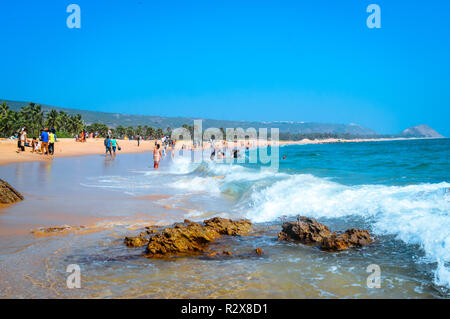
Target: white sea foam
x,y
415,214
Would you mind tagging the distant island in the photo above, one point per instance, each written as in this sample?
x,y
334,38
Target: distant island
x,y
420,131
147,125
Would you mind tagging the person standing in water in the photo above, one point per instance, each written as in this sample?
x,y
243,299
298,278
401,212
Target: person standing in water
x,y
114,145
107,143
157,156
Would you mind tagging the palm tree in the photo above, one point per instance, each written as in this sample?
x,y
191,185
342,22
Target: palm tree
x,y
52,118
150,132
4,108
120,131
61,121
130,131
159,133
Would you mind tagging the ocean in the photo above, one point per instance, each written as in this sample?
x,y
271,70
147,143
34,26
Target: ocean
x,y
398,190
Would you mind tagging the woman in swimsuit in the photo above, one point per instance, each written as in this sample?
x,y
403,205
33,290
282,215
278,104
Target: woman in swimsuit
x,y
157,155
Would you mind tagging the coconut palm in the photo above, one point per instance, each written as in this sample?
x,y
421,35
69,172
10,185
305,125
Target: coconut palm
x,y
52,118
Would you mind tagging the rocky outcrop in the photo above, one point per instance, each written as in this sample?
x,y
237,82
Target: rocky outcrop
x,y
192,238
8,195
351,238
305,230
309,231
228,227
141,239
187,238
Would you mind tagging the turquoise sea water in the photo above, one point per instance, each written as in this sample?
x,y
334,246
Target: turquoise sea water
x,y
398,190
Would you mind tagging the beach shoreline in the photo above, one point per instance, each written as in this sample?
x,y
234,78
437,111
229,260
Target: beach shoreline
x,y
68,147
80,210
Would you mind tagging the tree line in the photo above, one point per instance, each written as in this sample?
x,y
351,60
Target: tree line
x,y
35,119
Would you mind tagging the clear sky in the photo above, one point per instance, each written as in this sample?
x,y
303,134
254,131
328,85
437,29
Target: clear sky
x,y
302,60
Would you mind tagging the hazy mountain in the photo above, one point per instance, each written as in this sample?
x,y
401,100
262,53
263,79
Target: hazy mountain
x,y
116,119
420,131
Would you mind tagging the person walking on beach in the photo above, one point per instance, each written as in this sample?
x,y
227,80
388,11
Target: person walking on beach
x,y
114,145
157,155
107,143
138,139
44,142
22,140
51,141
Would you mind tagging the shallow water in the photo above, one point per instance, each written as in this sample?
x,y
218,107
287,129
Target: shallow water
x,y
397,190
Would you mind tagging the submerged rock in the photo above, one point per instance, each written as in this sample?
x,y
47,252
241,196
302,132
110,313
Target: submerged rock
x,y
305,230
351,238
55,230
309,231
188,238
8,195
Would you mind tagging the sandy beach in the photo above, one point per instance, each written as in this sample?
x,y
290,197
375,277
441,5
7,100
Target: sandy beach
x,y
68,147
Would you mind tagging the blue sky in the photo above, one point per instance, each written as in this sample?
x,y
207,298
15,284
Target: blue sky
x,y
312,60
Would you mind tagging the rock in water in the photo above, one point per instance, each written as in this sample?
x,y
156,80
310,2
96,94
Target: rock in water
x,y
351,238
309,231
193,238
8,195
228,227
141,239
305,230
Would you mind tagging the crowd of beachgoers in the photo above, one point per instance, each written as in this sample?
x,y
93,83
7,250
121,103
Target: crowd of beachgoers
x,y
44,145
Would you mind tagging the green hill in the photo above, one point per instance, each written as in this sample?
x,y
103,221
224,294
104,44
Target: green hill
x,y
116,119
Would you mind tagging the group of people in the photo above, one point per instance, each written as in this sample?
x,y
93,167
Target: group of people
x,y
159,153
82,137
45,145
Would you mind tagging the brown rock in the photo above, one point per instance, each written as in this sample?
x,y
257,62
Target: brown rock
x,y
229,227
180,239
135,241
305,230
8,195
258,251
226,252
351,238
193,238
